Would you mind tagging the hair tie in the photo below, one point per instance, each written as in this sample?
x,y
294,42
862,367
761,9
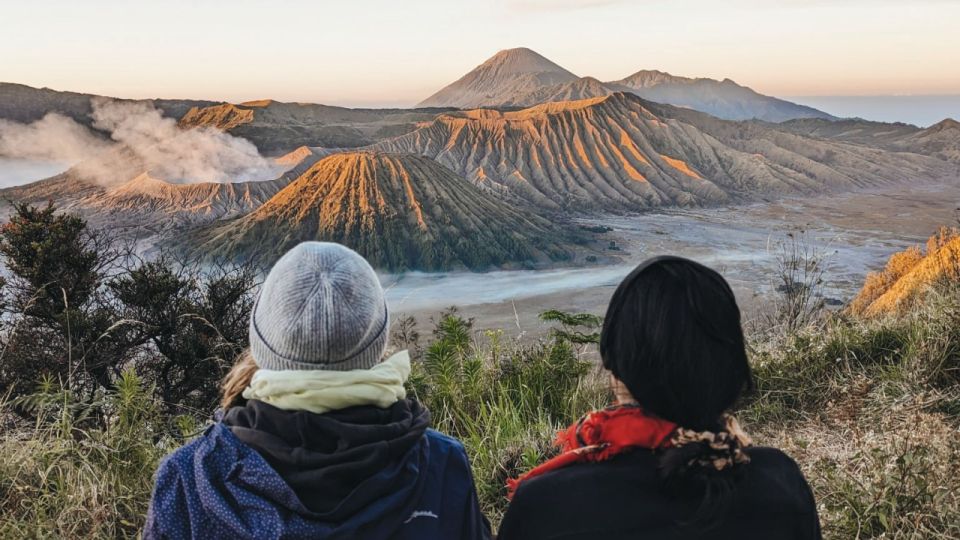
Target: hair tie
x,y
721,450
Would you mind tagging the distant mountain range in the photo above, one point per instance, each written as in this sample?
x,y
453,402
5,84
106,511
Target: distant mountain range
x,y
272,126
623,153
521,77
276,126
941,140
25,104
495,185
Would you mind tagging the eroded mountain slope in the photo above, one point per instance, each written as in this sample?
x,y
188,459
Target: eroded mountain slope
x,y
399,211
132,198
620,152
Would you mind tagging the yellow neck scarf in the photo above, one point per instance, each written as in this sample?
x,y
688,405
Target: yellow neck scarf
x,y
322,391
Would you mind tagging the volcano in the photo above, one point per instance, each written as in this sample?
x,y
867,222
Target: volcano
x,y
400,211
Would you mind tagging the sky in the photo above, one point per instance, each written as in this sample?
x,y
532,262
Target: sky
x,y
396,53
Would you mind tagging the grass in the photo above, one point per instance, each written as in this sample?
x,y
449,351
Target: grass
x,y
870,409
69,476
505,401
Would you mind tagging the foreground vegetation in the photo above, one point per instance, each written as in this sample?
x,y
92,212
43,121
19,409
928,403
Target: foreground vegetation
x,y
869,407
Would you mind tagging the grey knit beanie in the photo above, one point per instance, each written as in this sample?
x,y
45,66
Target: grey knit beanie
x,y
320,308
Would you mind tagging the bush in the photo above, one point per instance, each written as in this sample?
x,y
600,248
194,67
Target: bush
x,y
79,310
60,321
505,401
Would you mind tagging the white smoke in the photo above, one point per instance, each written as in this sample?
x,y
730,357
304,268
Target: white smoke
x,y
53,138
181,155
141,139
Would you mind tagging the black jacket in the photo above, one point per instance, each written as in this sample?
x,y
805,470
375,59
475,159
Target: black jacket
x,y
623,498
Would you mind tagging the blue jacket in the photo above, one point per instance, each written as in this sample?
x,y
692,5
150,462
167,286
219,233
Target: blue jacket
x,y
218,487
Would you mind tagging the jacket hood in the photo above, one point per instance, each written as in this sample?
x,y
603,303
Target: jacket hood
x,y
380,475
354,473
339,462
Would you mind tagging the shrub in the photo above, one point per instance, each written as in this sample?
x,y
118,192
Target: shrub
x,y
80,311
189,326
797,298
505,401
61,321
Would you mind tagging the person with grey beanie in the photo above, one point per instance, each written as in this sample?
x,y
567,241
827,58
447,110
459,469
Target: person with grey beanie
x,y
316,436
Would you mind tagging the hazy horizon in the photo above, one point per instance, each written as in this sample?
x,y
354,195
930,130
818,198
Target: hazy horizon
x,y
919,110
378,53
922,111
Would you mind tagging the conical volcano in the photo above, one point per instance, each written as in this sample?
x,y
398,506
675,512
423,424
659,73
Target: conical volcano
x,y
400,211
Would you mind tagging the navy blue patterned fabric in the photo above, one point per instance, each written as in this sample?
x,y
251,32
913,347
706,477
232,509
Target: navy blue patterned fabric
x,y
217,487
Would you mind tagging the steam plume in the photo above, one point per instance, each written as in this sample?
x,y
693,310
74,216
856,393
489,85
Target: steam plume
x,y
140,138
53,137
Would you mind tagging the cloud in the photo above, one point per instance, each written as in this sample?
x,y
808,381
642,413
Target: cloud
x,y
140,139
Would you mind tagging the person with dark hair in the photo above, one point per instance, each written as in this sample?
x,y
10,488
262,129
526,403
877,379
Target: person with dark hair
x,y
666,460
316,437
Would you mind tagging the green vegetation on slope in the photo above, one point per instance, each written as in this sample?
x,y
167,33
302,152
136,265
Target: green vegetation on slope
x,y
870,408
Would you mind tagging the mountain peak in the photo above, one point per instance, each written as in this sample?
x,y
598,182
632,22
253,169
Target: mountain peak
x,y
945,124
646,78
523,60
500,79
258,103
225,116
295,157
144,183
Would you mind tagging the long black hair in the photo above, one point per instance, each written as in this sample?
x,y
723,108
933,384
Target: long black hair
x,y
672,335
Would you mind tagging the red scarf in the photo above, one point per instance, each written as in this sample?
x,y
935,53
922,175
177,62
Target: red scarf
x,y
601,435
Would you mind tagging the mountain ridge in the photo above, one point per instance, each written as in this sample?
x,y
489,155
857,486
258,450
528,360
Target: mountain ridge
x,y
276,126
23,103
623,153
725,99
521,78
941,140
